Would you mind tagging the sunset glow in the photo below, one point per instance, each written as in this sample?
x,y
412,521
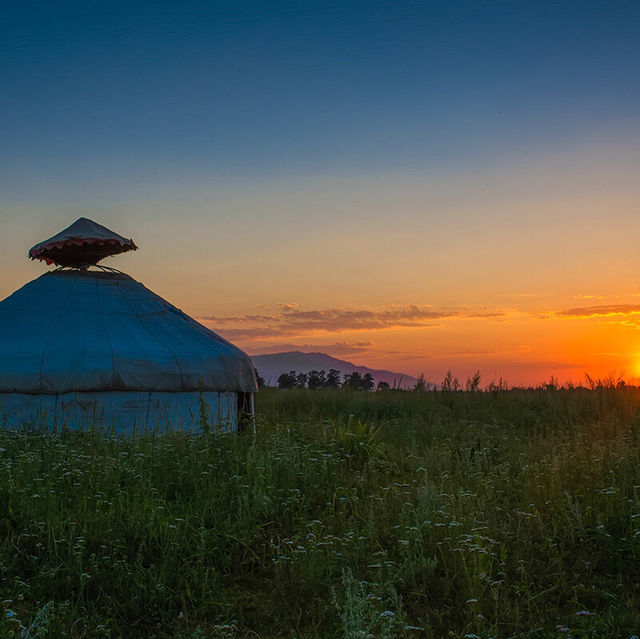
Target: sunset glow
x,y
406,192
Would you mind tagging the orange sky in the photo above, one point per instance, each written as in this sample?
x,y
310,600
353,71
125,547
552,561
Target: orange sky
x,y
520,346
414,272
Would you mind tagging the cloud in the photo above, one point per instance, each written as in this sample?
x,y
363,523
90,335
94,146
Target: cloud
x,y
599,311
337,348
290,320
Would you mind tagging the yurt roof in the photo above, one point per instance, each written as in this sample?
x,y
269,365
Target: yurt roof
x,y
82,243
89,329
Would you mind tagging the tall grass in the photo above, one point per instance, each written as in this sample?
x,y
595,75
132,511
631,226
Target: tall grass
x,y
392,514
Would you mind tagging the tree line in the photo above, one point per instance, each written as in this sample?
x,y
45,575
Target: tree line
x,y
333,380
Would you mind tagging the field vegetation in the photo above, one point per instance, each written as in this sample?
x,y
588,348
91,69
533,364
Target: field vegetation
x,y
509,513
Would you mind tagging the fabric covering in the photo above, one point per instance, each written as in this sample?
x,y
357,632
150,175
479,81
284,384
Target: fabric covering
x,y
121,411
79,330
84,242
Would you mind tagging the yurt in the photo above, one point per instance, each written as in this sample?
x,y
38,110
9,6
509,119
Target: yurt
x,y
86,346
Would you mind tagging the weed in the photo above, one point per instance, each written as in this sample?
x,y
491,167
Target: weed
x,y
508,513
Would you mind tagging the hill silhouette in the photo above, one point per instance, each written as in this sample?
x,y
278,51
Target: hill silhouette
x,y
271,366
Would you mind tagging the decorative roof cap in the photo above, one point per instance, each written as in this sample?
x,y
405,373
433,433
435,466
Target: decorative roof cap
x,y
84,243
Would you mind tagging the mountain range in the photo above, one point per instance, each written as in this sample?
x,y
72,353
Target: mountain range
x,y
271,366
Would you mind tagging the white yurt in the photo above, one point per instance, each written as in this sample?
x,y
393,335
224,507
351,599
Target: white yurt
x,y
86,346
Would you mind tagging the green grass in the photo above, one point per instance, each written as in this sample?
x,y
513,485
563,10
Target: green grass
x,y
426,515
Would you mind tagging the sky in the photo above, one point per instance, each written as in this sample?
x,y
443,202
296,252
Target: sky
x,y
419,186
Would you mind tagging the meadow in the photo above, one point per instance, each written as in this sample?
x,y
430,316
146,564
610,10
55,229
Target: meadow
x,y
510,513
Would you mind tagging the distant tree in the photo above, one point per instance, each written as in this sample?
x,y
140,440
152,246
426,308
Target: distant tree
x,y
301,380
352,381
421,385
287,380
259,379
382,385
473,382
334,378
367,382
317,380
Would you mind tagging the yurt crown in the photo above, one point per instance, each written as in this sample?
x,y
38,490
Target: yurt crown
x,y
81,245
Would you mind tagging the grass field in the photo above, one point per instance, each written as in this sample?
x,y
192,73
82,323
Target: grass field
x,y
350,514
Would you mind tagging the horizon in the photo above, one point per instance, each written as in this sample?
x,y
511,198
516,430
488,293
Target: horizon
x,y
421,188
585,381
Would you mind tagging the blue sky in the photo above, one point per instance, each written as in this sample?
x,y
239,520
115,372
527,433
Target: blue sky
x,y
264,88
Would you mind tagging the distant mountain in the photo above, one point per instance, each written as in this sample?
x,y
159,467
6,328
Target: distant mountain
x,y
273,365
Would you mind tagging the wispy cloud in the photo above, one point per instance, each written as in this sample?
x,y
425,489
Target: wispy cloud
x,y
337,348
602,310
289,320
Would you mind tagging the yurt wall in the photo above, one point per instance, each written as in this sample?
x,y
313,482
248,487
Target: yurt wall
x,y
121,411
